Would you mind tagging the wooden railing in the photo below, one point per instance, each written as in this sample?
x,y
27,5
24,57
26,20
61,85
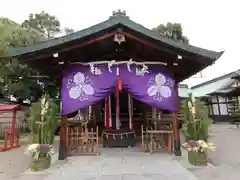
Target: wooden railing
x,y
156,140
165,118
11,136
157,134
81,140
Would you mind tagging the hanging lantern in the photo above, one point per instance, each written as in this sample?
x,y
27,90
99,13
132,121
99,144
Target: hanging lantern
x,y
119,84
119,36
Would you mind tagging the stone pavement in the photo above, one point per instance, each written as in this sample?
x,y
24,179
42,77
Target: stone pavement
x,y
121,164
13,162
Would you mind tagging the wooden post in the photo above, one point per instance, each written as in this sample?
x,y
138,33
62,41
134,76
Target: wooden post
x,y
5,145
176,135
154,116
62,147
176,129
117,110
130,109
13,128
107,111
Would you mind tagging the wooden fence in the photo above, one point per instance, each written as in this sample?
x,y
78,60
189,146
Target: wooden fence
x,y
82,140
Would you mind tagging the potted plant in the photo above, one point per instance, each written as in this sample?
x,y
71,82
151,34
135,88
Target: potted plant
x,y
195,131
197,152
41,156
42,122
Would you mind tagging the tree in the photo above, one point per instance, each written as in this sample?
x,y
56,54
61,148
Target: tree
x,y
13,75
48,25
68,31
172,31
13,35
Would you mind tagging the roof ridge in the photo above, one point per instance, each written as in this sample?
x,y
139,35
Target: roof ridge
x,y
110,22
215,79
61,38
168,41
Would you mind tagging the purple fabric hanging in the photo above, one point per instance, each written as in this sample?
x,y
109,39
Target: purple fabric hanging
x,y
81,88
155,87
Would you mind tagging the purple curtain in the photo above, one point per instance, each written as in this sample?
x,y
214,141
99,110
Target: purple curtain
x,y
81,87
156,87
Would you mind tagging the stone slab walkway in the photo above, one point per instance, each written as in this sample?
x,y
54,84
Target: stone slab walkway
x,y
13,162
121,164
117,164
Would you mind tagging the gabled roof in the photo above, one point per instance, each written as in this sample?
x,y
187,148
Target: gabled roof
x,y
219,84
116,19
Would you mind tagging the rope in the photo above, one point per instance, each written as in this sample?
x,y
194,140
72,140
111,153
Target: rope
x,y
117,134
113,62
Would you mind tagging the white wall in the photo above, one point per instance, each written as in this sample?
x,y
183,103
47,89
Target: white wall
x,y
215,106
223,105
219,108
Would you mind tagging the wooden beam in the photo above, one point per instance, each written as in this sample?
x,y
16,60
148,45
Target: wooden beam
x,y
150,44
105,36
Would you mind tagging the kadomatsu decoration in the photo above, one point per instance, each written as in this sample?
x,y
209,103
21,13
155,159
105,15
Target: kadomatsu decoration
x,y
42,122
196,130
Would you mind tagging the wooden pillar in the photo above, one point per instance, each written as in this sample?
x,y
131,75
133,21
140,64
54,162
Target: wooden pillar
x,y
176,129
63,135
176,135
13,127
154,116
90,112
94,109
117,110
107,112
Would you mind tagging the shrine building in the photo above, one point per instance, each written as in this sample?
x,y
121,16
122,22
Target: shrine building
x,y
119,85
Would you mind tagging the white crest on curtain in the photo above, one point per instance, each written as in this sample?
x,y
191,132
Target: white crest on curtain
x,y
80,87
160,87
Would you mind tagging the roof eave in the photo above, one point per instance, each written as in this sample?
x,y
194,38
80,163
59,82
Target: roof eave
x,y
225,76
17,52
112,21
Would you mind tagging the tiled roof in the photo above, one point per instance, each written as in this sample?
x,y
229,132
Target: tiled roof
x,y
214,85
111,22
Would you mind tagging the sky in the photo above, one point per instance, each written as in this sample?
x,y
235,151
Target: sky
x,y
210,24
